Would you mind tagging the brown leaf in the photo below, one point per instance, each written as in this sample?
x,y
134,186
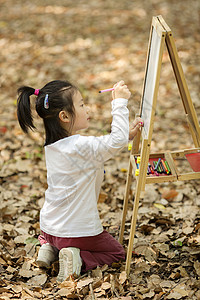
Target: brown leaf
x,y
64,292
147,251
17,288
146,228
26,273
178,293
68,283
2,261
83,283
97,272
122,277
169,194
188,230
142,267
102,197
106,285
97,283
37,280
197,267
150,294
3,289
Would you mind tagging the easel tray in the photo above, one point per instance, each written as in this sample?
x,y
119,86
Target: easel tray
x,y
173,159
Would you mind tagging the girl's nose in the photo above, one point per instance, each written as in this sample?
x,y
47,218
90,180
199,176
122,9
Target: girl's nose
x,y
88,109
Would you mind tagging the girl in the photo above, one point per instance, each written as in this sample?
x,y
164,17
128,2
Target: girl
x,y
69,218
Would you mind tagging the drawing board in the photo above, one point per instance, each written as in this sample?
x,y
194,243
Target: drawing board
x,y
152,75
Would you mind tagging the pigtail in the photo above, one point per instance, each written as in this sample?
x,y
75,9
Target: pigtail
x,y
24,114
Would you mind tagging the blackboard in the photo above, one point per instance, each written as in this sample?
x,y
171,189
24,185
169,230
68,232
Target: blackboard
x,y
152,75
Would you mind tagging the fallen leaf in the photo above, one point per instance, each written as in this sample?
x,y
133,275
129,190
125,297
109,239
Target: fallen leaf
x,y
197,267
26,273
150,294
147,251
64,292
2,261
177,293
37,280
17,288
106,285
159,206
169,194
83,283
102,197
122,277
142,267
188,230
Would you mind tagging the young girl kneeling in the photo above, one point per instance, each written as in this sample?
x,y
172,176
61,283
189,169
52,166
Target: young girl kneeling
x,y
69,218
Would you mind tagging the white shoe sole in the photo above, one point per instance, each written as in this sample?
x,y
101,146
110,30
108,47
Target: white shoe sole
x,y
69,263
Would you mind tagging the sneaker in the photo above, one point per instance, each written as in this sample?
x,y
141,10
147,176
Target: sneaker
x,y
70,262
47,255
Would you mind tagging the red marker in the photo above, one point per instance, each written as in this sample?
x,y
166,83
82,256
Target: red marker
x,y
151,169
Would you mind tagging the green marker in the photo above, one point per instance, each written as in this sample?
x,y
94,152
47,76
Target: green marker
x,y
157,165
168,168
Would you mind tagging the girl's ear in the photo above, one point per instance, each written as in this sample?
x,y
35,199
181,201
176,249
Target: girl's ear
x,y
64,116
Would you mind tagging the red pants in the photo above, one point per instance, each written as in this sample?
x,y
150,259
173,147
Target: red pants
x,y
94,250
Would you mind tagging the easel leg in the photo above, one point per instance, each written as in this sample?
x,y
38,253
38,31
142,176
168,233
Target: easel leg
x,y
183,89
135,147
140,184
193,132
132,233
125,206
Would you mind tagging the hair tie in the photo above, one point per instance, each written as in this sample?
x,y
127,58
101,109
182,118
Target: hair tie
x,y
36,92
46,101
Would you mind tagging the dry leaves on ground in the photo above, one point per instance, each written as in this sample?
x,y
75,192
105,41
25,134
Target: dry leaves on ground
x,y
96,43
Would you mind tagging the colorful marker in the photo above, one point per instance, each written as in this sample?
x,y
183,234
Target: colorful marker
x,y
129,147
153,166
151,169
148,170
138,160
157,164
162,167
106,90
166,170
166,163
156,169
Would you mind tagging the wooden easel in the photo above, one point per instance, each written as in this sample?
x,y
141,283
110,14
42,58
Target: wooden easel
x,y
160,34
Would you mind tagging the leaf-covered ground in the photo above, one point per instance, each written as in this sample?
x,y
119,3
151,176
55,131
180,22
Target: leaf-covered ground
x,y
94,44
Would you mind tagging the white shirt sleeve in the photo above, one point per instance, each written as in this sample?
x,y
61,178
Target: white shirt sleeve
x,y
100,149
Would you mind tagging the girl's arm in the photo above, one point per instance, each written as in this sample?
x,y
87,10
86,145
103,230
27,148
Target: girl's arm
x,y
121,91
97,150
106,147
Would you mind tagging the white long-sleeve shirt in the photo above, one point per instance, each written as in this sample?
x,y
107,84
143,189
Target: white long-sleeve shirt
x,y
75,169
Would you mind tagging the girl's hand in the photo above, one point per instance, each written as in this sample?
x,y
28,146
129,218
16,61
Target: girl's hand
x,y
134,127
121,91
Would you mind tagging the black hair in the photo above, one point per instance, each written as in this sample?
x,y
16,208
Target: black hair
x,y
60,94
